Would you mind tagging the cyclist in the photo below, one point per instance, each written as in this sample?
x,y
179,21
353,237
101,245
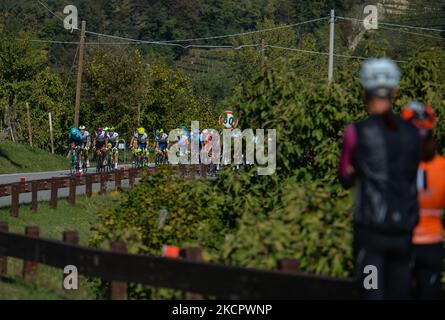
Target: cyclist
x,y
380,156
75,142
161,139
428,234
113,138
194,144
100,140
139,141
86,142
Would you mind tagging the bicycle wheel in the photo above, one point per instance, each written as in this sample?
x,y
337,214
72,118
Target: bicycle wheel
x,y
84,162
99,163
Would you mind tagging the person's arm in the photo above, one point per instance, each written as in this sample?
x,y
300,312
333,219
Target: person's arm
x,y
346,172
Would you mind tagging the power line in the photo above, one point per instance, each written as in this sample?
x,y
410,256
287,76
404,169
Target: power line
x,y
394,24
247,32
49,10
72,66
173,42
324,53
414,33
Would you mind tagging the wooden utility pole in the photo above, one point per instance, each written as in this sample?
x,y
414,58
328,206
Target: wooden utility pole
x,y
28,113
79,75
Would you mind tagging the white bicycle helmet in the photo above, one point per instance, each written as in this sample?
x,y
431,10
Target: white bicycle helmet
x,y
379,76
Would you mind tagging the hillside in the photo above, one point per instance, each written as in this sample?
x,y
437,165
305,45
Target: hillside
x,y
16,158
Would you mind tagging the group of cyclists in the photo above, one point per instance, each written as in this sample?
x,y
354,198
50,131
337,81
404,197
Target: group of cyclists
x,y
104,143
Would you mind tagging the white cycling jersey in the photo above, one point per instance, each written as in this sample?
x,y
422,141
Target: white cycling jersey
x,y
113,137
85,136
141,138
100,137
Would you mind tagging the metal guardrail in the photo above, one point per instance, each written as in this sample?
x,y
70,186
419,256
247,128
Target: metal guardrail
x,y
54,184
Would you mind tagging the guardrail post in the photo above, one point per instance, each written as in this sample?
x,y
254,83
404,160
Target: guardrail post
x,y
118,289
3,259
54,190
181,170
131,177
30,267
117,180
289,265
203,169
88,185
34,200
72,191
103,185
195,255
15,191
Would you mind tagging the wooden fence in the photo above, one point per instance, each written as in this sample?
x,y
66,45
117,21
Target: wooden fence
x,y
189,274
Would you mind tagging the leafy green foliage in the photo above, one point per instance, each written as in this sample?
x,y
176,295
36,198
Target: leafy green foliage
x,y
120,80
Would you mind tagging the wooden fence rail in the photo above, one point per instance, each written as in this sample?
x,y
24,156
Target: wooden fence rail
x,y
187,275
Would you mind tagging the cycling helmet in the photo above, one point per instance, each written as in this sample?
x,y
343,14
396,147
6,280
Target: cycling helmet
x,y
161,131
111,129
141,130
106,129
74,131
82,127
379,76
421,115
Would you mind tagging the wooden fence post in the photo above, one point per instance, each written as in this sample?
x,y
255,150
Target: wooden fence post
x,y
195,255
289,265
103,183
3,260
88,185
118,289
30,267
72,191
34,200
15,191
71,237
54,190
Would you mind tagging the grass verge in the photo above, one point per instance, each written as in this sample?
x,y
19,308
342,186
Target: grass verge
x,y
52,223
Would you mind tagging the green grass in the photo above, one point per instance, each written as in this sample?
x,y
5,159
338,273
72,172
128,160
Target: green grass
x,y
15,158
52,223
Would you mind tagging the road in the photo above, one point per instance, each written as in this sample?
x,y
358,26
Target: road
x,y
45,195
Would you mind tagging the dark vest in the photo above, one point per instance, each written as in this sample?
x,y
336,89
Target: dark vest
x,y
386,160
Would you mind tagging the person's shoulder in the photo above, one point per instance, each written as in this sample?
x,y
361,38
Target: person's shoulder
x,y
440,160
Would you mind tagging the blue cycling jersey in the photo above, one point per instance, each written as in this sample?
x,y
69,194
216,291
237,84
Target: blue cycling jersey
x,y
75,136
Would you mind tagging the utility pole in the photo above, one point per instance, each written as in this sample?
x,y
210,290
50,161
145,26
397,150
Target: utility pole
x,y
263,52
28,113
79,75
51,132
331,48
